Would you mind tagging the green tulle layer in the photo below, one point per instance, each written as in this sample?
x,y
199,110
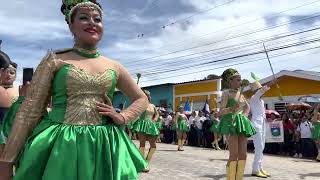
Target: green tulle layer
x,y
236,124
183,126
159,125
214,127
130,124
316,131
146,126
60,151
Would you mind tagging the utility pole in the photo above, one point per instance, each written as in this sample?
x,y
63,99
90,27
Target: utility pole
x,y
0,44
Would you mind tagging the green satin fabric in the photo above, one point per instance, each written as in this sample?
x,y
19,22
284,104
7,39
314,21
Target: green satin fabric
x,y
214,127
57,151
316,131
236,124
159,124
182,125
11,115
146,126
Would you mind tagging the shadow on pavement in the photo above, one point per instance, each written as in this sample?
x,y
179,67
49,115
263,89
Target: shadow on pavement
x,y
167,150
225,160
221,176
304,176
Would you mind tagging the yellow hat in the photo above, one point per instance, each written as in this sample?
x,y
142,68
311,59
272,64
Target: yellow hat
x,y
255,86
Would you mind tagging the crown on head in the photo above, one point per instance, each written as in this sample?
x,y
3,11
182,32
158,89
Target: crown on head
x,y
72,5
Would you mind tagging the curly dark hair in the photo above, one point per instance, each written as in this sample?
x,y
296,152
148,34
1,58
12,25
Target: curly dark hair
x,y
65,7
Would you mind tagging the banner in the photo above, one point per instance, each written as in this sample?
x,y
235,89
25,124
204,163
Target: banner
x,y
274,132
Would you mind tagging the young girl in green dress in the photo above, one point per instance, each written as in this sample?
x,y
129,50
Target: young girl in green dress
x,y
181,128
316,130
234,123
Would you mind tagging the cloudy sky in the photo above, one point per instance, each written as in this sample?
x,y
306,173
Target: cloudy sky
x,y
176,40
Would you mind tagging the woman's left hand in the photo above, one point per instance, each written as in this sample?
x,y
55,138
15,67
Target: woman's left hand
x,y
109,110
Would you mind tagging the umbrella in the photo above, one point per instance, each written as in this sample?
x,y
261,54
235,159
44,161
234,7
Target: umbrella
x,y
269,112
299,106
311,99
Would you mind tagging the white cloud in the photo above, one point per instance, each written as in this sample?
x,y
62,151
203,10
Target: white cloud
x,y
24,19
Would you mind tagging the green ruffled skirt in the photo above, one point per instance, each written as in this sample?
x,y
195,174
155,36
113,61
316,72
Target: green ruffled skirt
x,y
61,151
159,125
146,126
316,131
236,124
214,127
130,124
183,126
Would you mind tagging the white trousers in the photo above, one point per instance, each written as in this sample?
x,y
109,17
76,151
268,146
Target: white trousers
x,y
259,141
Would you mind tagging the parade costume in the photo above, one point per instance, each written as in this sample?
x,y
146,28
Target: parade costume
x,y
74,141
316,131
215,129
9,117
233,122
259,122
159,124
145,123
183,127
215,126
73,130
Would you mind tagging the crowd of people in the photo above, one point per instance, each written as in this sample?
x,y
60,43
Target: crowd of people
x,y
298,142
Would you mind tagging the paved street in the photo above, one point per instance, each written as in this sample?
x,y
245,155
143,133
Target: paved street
x,y
205,164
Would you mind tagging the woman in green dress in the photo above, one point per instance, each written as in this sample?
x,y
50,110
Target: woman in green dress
x,y
147,129
215,130
182,128
82,137
234,123
316,130
5,100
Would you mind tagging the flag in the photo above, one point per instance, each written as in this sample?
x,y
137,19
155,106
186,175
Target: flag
x,y
187,106
206,108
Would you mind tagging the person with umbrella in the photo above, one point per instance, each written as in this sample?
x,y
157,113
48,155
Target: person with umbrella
x,y
259,120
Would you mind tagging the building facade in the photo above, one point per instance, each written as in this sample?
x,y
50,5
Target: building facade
x,y
293,85
197,93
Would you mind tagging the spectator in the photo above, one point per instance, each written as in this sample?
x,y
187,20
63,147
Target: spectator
x,y
288,128
168,133
199,124
192,134
304,130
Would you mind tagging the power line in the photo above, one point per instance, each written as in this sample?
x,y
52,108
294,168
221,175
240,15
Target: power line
x,y
275,15
236,36
241,56
230,65
226,49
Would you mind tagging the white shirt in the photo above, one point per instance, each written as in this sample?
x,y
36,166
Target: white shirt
x,y
257,109
199,121
167,120
191,120
305,129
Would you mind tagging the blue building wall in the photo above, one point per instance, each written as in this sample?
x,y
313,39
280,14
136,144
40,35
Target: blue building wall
x,y
158,93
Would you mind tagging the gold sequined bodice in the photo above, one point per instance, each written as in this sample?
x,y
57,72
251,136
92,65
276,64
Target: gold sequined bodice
x,y
83,91
149,112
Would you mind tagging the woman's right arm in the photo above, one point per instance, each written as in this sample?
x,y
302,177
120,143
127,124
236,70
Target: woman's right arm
x,y
32,109
224,100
